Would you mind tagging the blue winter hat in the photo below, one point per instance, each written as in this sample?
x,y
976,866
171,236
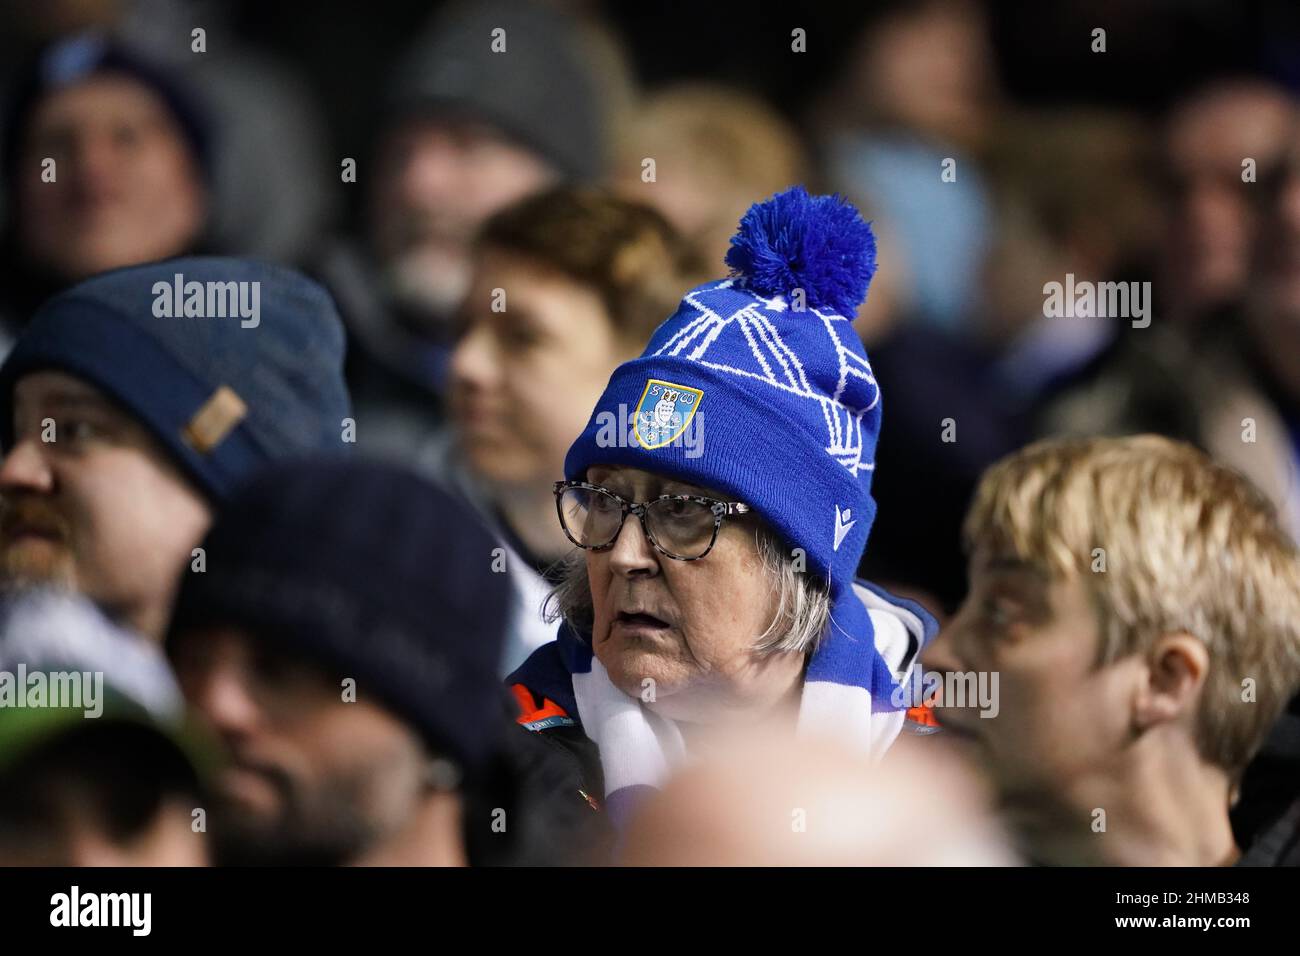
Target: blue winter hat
x,y
758,385
231,363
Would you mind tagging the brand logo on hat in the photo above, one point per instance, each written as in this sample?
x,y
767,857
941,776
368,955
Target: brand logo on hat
x,y
664,411
213,421
842,525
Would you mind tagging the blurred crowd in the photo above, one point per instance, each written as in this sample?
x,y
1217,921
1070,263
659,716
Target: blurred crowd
x,y
234,523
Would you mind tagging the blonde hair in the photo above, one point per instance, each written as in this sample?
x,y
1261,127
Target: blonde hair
x,y
731,145
1188,546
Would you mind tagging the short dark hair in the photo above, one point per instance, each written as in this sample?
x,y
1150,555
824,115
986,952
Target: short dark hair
x,y
624,251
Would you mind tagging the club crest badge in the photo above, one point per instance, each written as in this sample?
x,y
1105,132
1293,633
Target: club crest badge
x,y
664,412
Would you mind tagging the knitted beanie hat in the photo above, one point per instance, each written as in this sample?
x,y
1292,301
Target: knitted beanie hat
x,y
519,67
370,571
231,363
758,385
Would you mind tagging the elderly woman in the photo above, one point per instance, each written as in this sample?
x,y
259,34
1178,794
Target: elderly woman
x,y
720,496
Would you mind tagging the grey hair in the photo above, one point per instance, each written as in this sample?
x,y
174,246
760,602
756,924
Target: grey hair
x,y
803,607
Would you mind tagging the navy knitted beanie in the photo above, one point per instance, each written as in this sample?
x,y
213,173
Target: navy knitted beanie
x,y
758,385
369,572
231,363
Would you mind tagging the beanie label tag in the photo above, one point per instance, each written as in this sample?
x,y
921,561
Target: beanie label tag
x,y
214,420
664,412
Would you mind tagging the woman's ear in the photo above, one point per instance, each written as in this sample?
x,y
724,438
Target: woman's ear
x,y
1177,666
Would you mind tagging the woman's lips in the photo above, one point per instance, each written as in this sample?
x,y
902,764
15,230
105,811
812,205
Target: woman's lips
x,y
638,623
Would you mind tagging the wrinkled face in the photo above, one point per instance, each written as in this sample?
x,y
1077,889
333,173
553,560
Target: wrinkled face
x,y
126,188
1059,718
679,635
436,183
312,778
92,502
525,379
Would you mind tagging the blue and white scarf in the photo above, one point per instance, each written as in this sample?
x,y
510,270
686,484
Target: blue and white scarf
x,y
850,692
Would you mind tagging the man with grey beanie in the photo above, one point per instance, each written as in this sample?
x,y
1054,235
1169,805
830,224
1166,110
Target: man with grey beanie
x,y
496,101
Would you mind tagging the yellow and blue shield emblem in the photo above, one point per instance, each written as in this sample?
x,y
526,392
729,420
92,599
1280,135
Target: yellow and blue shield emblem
x,y
664,412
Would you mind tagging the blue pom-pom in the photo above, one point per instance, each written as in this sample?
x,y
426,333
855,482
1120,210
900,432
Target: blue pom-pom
x,y
819,244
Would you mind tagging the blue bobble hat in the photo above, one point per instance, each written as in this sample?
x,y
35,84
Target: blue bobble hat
x,y
767,371
224,394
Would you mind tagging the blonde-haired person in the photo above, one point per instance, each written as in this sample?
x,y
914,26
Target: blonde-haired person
x,y
715,149
1140,605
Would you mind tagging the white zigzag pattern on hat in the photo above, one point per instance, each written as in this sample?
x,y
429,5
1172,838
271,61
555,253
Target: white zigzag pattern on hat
x,y
783,369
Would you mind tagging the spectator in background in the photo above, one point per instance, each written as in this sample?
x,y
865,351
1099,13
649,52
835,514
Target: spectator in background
x,y
105,165
1075,198
716,152
467,131
918,92
1230,386
1209,218
123,422
109,781
906,131
345,645
1140,605
271,174
584,278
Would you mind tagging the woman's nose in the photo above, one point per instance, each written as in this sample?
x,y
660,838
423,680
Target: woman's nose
x,y
633,553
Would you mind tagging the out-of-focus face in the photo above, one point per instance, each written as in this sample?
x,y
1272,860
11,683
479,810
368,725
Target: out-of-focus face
x,y
311,778
700,195
764,798
1211,219
686,627
167,840
929,68
127,188
1273,315
100,508
436,183
524,380
1059,719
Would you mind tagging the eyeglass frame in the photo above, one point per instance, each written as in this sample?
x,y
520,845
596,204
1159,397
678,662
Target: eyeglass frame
x,y
721,509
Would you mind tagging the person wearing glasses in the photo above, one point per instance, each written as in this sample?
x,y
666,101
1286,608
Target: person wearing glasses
x,y
566,285
713,582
